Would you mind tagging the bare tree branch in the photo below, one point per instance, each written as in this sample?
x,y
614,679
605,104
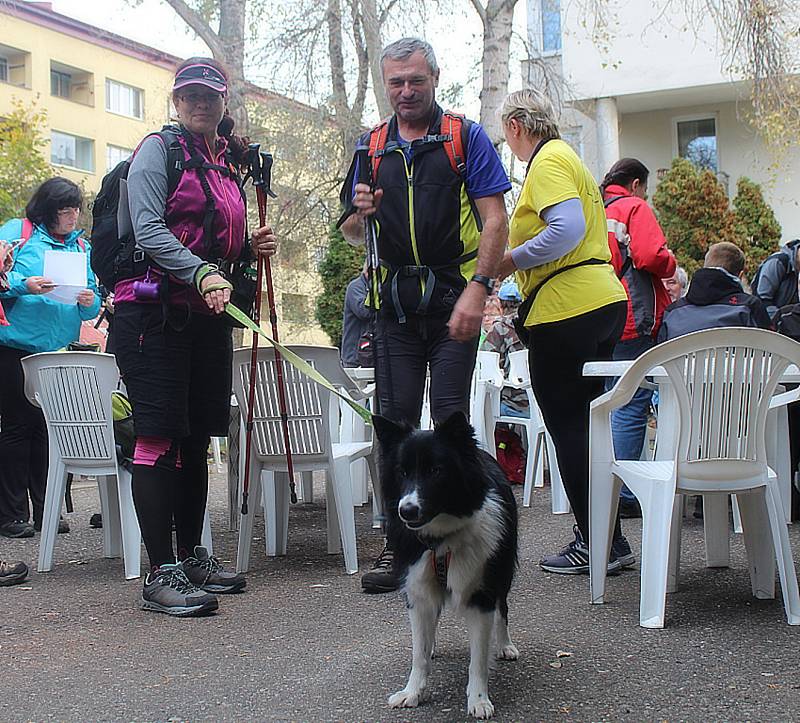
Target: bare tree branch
x,y
480,10
196,22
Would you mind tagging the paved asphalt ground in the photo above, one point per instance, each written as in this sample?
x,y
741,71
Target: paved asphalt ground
x,y
304,644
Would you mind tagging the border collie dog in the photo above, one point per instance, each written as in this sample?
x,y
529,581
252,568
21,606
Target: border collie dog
x,y
452,524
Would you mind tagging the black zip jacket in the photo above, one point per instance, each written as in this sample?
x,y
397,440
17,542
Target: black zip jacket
x,y
714,300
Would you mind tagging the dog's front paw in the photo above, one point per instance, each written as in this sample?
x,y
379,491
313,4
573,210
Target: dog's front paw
x,y
508,652
405,698
480,707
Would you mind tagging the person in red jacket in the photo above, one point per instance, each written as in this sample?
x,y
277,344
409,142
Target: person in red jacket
x,y
641,259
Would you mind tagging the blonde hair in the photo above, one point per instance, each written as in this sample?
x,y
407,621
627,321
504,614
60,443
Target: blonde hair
x,y
533,111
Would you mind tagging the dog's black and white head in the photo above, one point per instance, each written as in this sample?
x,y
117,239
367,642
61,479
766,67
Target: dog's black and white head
x,y
434,480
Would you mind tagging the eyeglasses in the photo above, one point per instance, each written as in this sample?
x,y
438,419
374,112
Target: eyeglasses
x,y
69,211
198,98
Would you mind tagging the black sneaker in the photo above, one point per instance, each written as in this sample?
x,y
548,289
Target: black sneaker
x,y
381,578
16,528
205,571
167,590
574,558
63,526
96,521
629,509
12,573
621,550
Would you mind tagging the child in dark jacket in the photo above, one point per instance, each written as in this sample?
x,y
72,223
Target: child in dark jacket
x,y
715,298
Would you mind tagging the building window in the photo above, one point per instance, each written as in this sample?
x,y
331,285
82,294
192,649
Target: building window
x,y
60,84
295,308
551,25
72,151
697,142
116,154
15,66
124,99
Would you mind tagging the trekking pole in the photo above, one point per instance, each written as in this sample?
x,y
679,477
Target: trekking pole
x,y
260,167
373,266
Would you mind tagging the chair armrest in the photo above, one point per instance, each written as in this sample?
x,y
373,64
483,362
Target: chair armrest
x,y
780,400
604,400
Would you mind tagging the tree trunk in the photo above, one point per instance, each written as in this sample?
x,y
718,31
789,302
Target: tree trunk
x,y
227,46
497,21
372,36
231,40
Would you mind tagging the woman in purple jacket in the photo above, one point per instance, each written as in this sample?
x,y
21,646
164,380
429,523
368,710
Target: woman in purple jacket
x,y
171,339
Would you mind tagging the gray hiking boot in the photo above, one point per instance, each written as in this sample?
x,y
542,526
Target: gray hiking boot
x,y
167,590
12,573
205,571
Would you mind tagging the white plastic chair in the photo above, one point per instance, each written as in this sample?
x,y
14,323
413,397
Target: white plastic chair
x,y
313,414
74,391
487,375
723,382
488,383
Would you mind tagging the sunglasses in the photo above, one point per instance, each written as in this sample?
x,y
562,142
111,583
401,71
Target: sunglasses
x,y
198,98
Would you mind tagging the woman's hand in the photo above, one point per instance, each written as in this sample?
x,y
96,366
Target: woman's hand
x,y
39,285
264,242
86,297
218,297
506,266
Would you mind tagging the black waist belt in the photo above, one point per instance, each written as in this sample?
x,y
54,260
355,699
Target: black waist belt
x,y
424,273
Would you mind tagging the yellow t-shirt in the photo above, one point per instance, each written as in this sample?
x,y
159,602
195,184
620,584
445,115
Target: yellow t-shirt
x,y
556,175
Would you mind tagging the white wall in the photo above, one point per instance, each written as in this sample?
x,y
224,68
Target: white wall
x,y
650,138
647,49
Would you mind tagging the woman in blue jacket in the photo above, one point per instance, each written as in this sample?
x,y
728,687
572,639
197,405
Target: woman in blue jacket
x,y
37,323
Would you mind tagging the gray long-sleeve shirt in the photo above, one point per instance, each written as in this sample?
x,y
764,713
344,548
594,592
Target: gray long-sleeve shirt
x,y
147,201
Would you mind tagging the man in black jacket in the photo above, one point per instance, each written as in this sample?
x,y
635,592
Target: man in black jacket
x,y
715,297
776,279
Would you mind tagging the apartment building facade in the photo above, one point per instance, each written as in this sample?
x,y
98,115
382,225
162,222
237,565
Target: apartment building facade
x,y
655,88
102,92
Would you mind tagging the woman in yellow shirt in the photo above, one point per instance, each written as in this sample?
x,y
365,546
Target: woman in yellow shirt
x,y
559,250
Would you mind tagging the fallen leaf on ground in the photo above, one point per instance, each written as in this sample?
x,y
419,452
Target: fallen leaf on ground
x,y
563,654
556,664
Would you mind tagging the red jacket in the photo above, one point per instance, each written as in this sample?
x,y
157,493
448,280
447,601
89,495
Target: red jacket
x,y
633,232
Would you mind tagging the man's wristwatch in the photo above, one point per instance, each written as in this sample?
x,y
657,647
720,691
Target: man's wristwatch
x,y
484,281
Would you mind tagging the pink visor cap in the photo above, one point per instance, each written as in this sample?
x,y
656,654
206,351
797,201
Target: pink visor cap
x,y
201,74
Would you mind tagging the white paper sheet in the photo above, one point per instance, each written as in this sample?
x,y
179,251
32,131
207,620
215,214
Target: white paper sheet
x,y
68,270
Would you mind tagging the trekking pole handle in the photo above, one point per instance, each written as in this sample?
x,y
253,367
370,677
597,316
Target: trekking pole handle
x,y
364,167
265,176
253,162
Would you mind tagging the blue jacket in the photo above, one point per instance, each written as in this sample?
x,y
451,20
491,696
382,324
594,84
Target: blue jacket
x,y
38,323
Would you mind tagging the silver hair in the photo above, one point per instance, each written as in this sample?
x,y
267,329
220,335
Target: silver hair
x,y
533,111
681,278
405,47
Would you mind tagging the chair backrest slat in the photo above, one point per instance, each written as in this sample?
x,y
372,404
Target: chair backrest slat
x,y
723,381
74,392
723,394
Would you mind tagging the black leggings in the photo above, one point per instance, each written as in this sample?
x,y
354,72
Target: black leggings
x,y
404,353
558,352
23,444
162,493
